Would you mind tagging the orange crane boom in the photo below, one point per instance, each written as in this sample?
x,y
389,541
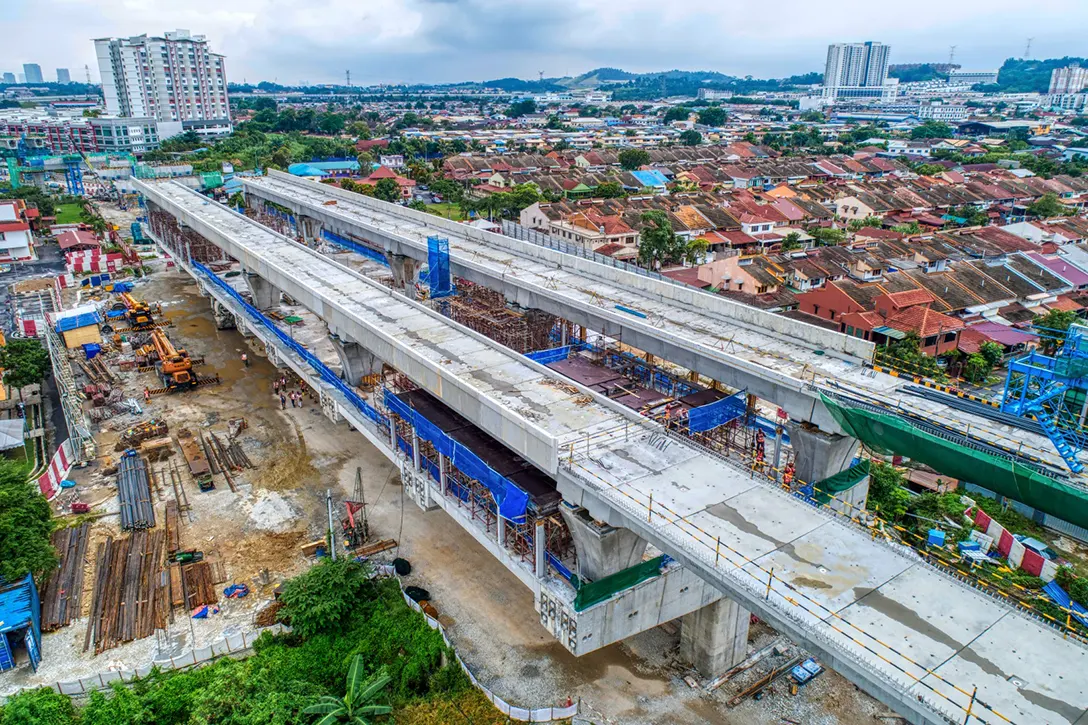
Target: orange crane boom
x,y
137,312
175,366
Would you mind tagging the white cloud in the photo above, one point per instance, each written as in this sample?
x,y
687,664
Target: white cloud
x,y
441,40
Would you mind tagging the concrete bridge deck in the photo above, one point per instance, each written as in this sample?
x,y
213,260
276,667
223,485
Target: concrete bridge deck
x,y
773,357
918,640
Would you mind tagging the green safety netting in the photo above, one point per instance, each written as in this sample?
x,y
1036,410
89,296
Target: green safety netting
x,y
600,590
841,481
890,435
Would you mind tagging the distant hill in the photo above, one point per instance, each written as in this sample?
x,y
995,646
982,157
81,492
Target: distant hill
x,y
1029,76
915,72
598,77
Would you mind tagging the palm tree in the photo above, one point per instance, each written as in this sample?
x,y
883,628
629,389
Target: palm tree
x,y
356,707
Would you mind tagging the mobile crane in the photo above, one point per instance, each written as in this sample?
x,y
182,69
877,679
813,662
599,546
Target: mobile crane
x,y
174,365
137,313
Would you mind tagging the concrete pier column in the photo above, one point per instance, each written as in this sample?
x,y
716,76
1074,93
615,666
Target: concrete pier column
x,y
602,549
265,295
818,455
715,637
405,269
415,450
224,318
540,548
355,360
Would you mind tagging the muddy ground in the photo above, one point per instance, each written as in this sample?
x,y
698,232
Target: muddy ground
x,y
257,532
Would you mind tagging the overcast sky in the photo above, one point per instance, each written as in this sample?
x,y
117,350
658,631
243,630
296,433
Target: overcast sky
x,y
451,40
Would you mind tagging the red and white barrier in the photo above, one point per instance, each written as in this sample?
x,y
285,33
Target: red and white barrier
x,y
94,261
59,467
1019,556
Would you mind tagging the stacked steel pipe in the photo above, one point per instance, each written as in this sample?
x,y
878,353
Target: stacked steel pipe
x,y
134,489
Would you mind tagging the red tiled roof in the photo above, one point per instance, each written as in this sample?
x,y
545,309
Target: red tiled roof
x,y
14,227
1063,304
910,297
874,233
75,238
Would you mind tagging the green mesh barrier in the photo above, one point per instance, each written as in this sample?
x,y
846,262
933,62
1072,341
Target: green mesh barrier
x,y
890,435
841,481
600,590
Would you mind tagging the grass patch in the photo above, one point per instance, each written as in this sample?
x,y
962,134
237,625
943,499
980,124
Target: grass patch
x,y
447,210
68,213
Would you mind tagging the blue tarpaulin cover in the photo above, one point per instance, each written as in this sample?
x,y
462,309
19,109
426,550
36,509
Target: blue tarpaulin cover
x,y
1061,598
438,265
20,609
510,498
76,321
90,349
720,412
547,357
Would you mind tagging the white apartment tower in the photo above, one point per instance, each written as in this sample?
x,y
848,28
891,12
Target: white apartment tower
x,y
1071,79
856,70
173,79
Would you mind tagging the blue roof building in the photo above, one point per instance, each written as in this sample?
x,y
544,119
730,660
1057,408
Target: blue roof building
x,y
20,623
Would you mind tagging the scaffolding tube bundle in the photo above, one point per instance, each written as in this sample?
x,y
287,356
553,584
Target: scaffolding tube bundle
x,y
134,491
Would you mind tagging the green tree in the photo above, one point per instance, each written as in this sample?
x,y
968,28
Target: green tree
x,y
609,190
417,205
449,190
887,494
791,242
42,706
1047,205
521,108
357,707
237,200
26,523
713,116
975,217
323,599
25,362
631,159
977,368
869,221
387,190
993,352
1053,326
910,228
677,113
929,169
691,137
658,243
931,129
828,237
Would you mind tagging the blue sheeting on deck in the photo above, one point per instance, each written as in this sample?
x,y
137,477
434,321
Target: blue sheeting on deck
x,y
353,246
511,499
20,614
720,412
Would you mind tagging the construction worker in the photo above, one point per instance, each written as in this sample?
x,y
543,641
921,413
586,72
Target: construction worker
x,y
787,474
245,359
147,394
283,402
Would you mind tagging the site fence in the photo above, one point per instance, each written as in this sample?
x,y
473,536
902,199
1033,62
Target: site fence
x,y
237,644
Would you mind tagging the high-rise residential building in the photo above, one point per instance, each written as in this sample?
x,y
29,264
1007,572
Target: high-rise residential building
x,y
63,76
175,79
9,78
33,73
856,70
1070,79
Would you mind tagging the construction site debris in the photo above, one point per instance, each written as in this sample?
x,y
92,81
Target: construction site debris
x,y
173,528
269,615
376,548
198,462
198,584
63,593
131,595
143,431
134,491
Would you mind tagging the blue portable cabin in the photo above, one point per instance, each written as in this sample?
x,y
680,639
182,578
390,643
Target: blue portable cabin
x,y
20,623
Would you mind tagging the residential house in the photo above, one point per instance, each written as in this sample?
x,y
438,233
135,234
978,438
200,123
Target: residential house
x,y
16,239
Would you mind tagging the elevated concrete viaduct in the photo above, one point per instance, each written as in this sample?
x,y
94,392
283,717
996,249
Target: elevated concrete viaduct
x,y
911,636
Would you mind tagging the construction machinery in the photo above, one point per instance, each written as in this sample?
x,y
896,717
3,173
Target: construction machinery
x,y
137,312
356,527
174,365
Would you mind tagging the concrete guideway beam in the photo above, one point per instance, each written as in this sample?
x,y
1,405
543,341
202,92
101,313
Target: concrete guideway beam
x,y
792,394
372,315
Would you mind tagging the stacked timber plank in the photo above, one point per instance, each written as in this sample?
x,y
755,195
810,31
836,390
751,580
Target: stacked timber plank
x,y
131,591
173,528
63,592
134,490
198,585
